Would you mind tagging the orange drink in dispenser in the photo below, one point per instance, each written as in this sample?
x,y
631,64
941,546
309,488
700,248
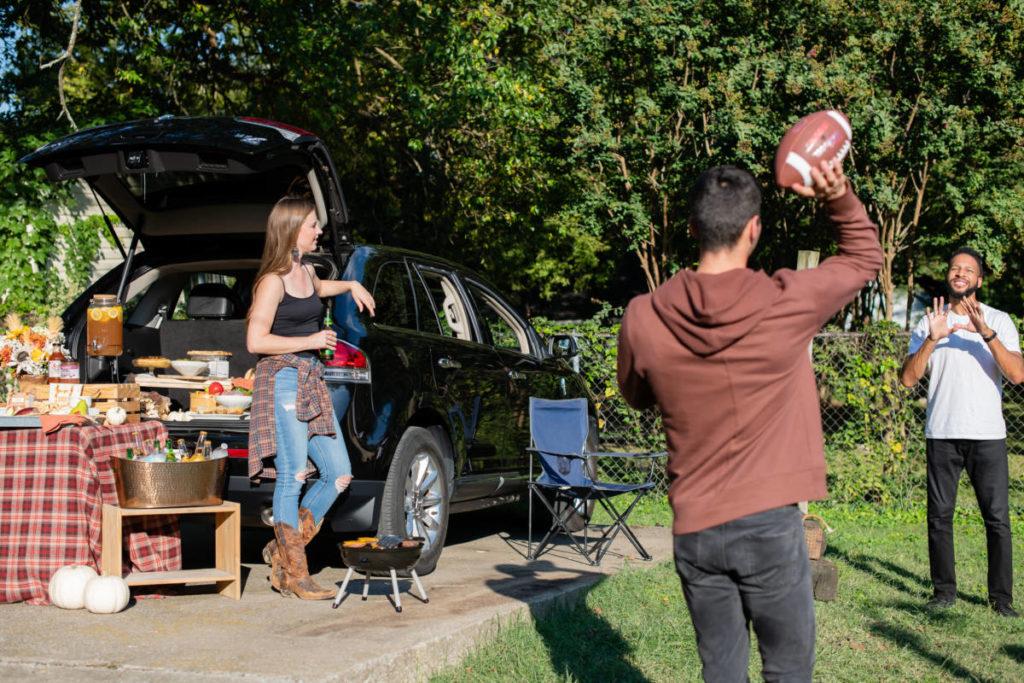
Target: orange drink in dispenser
x,y
103,327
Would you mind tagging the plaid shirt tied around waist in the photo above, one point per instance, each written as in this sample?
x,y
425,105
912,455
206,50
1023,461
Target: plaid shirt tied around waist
x,y
312,406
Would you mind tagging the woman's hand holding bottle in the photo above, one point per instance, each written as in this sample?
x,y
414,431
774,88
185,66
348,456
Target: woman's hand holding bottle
x,y
324,339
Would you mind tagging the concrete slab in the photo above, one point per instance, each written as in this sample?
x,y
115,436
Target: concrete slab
x,y
483,579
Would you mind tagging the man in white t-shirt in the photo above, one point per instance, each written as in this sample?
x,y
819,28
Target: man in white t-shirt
x,y
967,348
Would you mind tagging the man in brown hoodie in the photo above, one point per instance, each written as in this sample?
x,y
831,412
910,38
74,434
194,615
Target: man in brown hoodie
x,y
722,351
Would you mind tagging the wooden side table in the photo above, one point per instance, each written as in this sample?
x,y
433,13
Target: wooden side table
x,y
227,573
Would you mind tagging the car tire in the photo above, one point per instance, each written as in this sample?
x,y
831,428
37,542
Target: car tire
x,y
416,495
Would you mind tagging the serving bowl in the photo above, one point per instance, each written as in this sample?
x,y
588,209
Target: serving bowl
x,y
190,368
242,401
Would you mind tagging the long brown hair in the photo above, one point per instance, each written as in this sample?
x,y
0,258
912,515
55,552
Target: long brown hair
x,y
282,229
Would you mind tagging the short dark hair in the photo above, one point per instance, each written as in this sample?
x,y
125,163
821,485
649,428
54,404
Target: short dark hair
x,y
974,255
723,200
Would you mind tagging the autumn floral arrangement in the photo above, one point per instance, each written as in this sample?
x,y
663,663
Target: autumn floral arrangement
x,y
24,350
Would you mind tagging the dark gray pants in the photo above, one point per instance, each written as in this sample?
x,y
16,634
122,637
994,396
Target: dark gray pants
x,y
987,467
752,571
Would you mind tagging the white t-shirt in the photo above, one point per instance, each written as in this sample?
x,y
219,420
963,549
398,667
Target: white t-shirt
x,y
965,389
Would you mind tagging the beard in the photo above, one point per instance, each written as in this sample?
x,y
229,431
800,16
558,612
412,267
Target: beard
x,y
955,296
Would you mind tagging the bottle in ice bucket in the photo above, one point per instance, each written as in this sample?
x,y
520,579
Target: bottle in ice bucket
x,y
327,354
169,452
200,453
129,454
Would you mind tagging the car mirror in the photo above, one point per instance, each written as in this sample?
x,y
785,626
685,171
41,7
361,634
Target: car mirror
x,y
564,346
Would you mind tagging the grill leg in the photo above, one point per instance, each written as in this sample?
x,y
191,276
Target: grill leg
x,y
366,585
341,591
419,586
394,586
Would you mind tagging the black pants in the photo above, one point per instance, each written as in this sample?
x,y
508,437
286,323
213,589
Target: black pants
x,y
750,571
986,465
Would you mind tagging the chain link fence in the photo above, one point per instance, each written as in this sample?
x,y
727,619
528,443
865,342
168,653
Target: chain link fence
x,y
873,426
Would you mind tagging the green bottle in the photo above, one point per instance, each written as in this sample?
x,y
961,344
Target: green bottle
x,y
129,454
169,452
327,354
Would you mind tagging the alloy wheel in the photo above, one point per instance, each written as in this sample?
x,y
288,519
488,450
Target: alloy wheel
x,y
424,499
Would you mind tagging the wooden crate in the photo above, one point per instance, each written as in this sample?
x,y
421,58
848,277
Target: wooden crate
x,y
104,396
226,572
111,391
41,391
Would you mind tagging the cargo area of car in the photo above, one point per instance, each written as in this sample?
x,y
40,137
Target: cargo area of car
x,y
174,308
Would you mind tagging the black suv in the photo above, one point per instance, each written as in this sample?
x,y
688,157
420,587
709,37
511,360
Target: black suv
x,y
432,393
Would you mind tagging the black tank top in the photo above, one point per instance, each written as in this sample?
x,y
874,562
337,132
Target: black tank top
x,y
297,317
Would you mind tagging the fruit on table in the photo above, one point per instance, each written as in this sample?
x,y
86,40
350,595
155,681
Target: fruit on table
x,y
215,388
67,586
242,383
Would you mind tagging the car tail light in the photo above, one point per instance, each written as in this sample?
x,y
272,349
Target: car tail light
x,y
238,453
349,364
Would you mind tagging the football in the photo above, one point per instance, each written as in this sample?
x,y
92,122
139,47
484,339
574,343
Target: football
x,y
817,137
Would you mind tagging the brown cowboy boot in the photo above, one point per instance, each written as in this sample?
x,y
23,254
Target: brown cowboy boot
x,y
306,527
295,578
270,555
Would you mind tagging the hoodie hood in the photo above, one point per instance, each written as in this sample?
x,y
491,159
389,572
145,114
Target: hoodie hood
x,y
710,312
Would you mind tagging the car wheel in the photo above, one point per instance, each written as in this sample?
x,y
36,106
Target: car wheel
x,y
417,494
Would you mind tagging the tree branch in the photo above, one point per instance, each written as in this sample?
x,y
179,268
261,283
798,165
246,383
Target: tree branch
x,y
389,59
62,59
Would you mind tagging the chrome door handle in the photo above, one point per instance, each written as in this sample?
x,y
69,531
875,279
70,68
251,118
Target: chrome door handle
x,y
448,363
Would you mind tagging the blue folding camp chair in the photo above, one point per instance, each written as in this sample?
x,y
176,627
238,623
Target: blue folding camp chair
x,y
565,485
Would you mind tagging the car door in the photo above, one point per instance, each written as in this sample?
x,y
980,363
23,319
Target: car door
x,y
469,381
521,373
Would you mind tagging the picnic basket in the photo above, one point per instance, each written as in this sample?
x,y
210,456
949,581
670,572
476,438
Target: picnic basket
x,y
814,535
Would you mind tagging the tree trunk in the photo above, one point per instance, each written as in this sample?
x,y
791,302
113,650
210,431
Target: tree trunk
x,y
885,279
910,291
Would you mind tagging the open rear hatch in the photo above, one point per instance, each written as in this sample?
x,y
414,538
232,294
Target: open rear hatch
x,y
186,185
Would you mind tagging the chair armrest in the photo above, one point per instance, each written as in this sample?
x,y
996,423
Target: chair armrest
x,y
621,454
563,455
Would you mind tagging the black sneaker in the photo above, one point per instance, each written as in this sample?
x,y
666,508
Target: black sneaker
x,y
938,603
1004,609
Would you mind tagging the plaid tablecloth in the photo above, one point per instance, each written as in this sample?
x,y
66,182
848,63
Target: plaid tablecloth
x,y
52,490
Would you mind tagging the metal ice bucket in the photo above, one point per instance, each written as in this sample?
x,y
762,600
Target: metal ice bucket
x,y
169,484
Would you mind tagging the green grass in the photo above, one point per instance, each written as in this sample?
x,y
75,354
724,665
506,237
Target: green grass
x,y
634,626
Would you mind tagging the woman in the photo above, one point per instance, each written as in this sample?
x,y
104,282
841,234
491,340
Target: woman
x,y
292,418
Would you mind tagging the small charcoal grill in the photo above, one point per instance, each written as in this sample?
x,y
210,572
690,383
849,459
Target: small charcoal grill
x,y
387,557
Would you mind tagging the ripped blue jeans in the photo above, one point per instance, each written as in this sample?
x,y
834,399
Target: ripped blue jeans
x,y
293,447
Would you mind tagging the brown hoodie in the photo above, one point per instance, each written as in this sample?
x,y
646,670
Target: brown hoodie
x,y
725,357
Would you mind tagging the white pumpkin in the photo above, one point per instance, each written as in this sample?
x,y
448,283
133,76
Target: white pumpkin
x,y
106,594
116,416
67,586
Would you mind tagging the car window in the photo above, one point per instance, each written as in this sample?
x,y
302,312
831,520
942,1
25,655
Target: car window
x,y
394,303
447,305
505,330
426,318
